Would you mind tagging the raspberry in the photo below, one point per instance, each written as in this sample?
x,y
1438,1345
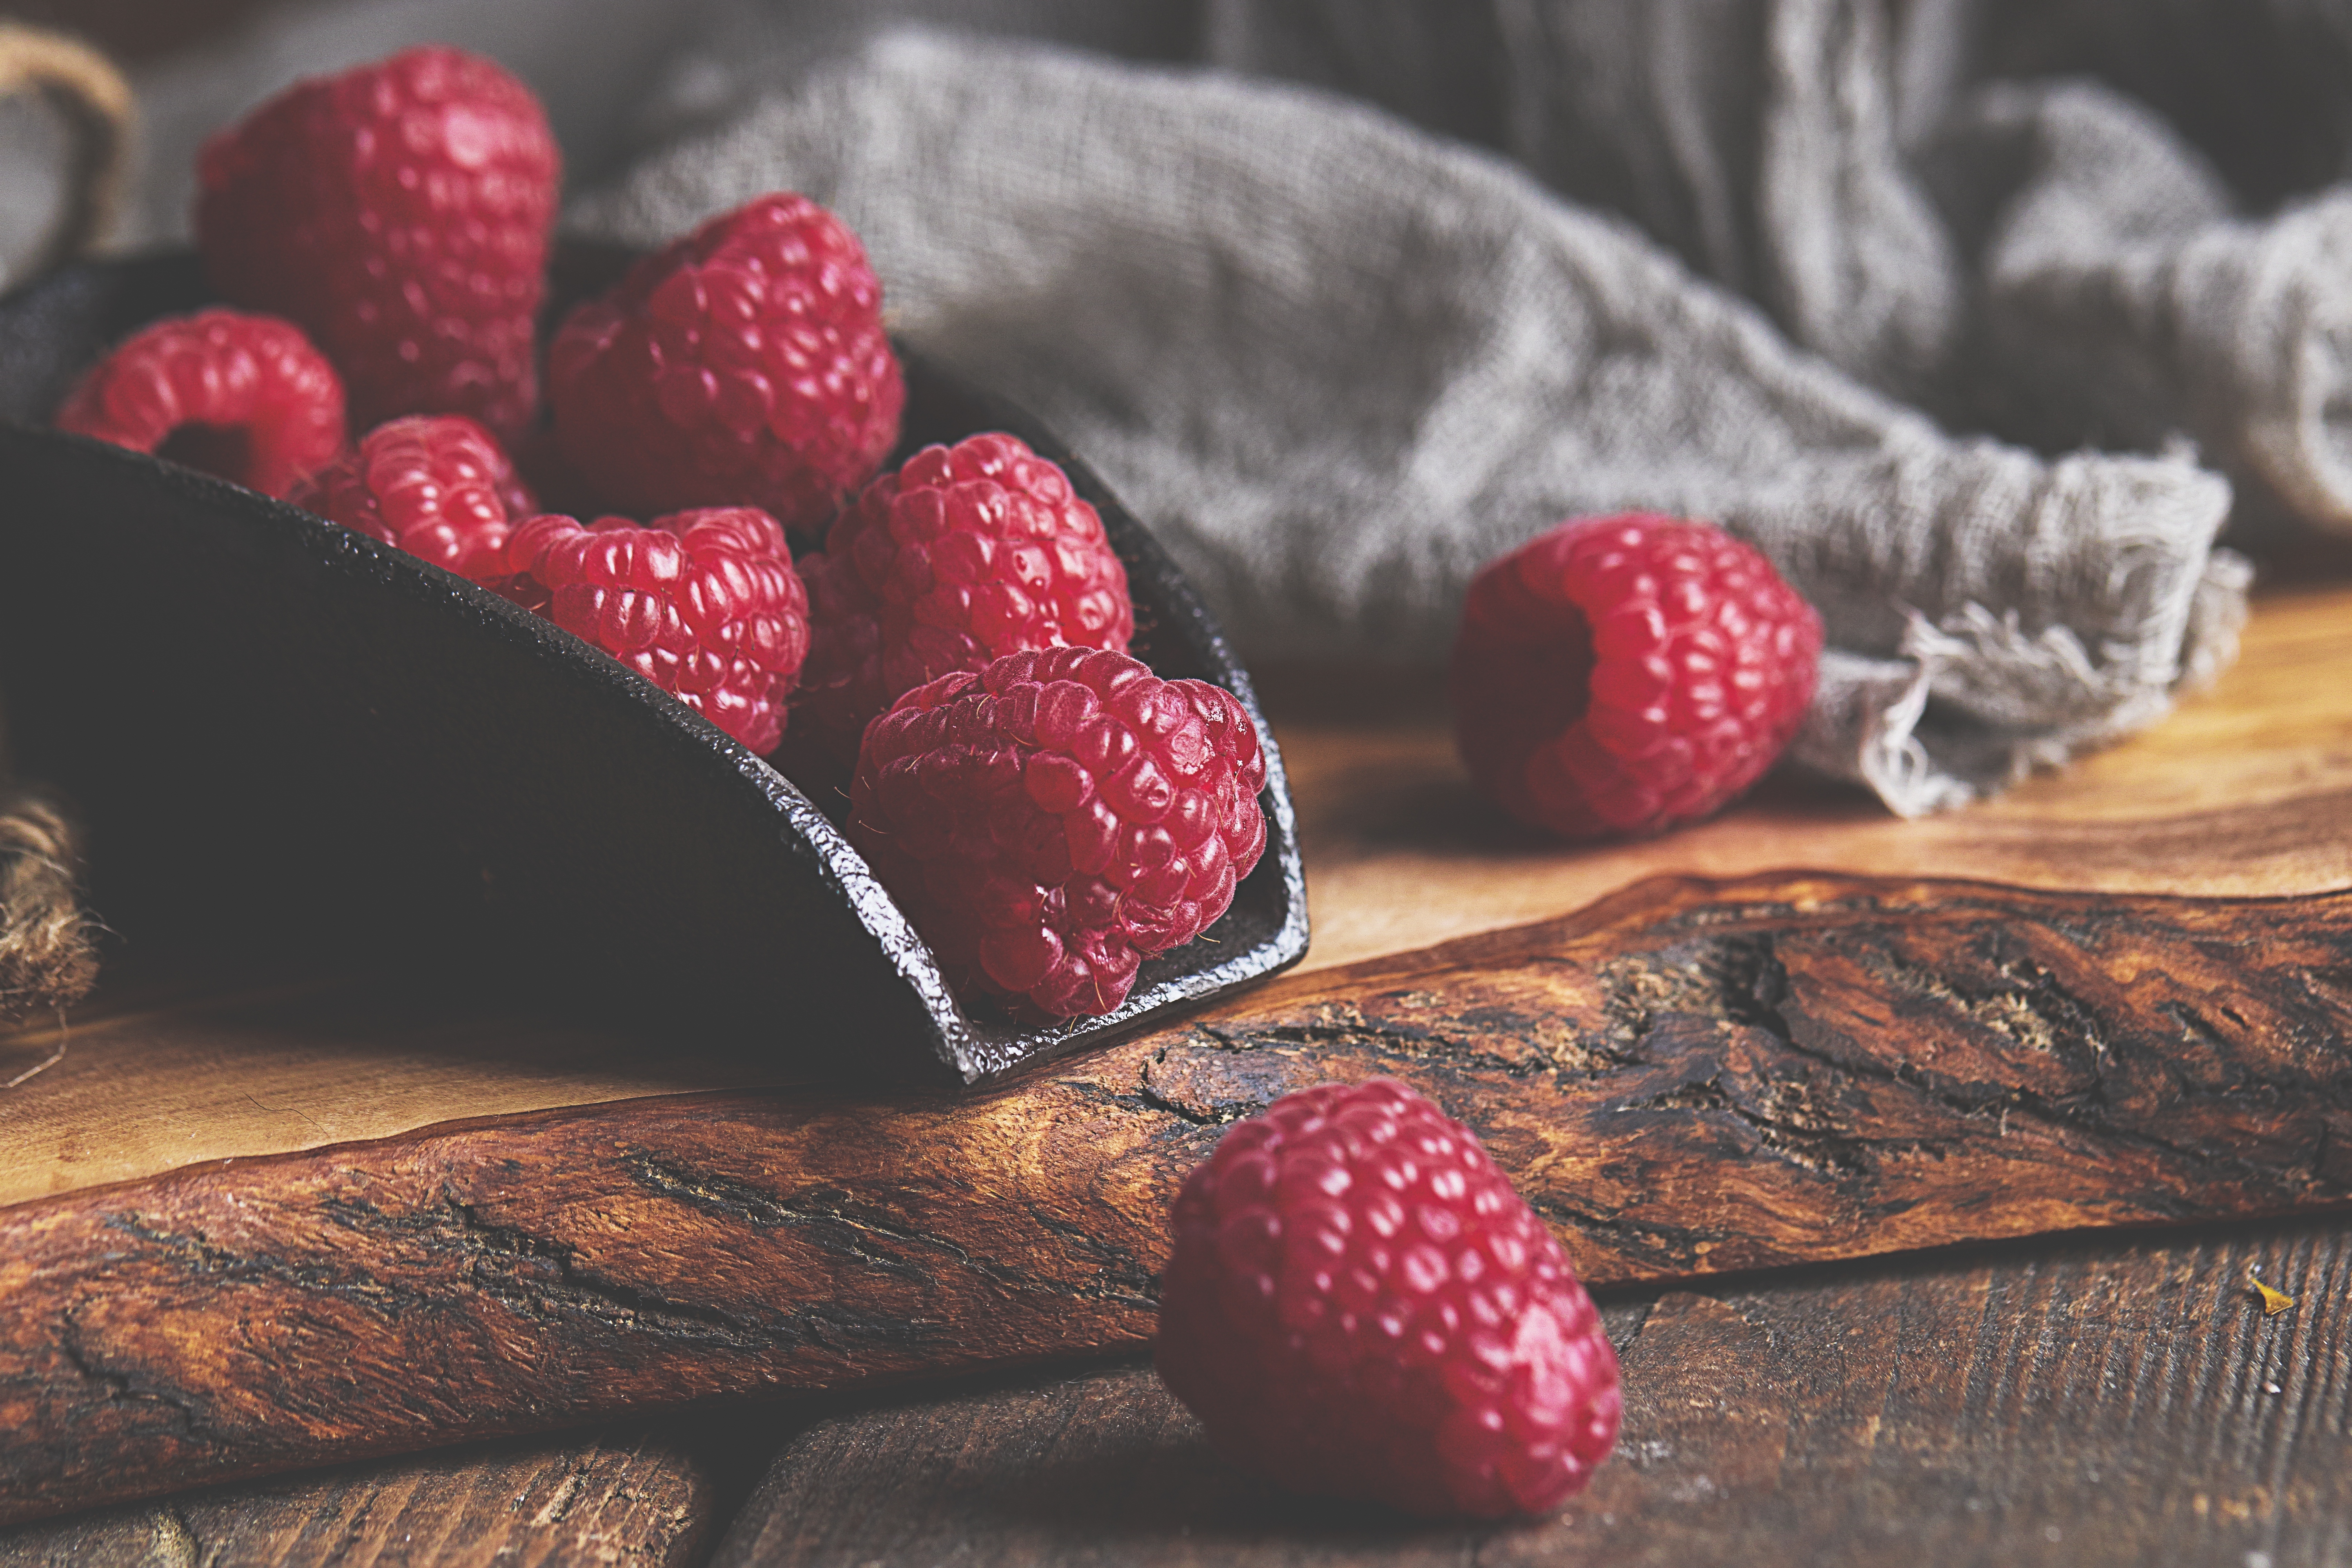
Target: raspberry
x,y
246,397
705,604
401,212
965,554
1619,675
437,485
1053,820
744,364
1359,1305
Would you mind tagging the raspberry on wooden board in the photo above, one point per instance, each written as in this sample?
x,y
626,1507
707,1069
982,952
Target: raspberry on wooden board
x,y
743,364
246,397
1357,1305
704,603
401,212
1053,820
1619,675
437,485
968,552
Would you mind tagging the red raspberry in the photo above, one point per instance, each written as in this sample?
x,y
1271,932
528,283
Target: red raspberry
x,y
246,397
1050,822
1360,1306
965,554
705,604
402,213
1619,675
437,485
744,364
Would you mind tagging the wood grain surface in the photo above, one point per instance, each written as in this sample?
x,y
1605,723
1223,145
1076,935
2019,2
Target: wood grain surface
x,y
627,1499
2082,1403
2247,790
183,1073
1689,1079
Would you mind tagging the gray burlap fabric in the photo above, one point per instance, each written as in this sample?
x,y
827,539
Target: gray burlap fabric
x,y
1973,345
2124,301
1929,193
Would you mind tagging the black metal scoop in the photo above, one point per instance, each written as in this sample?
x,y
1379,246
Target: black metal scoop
x,y
274,724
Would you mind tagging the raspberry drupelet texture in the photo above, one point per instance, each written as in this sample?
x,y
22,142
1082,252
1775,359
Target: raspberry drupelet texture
x,y
1053,820
437,485
744,364
401,212
967,553
246,397
1619,675
1360,1306
704,603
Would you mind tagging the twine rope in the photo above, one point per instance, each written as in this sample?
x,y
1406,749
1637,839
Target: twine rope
x,y
48,952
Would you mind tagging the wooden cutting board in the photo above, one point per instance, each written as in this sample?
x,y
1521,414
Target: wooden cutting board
x,y
249,1230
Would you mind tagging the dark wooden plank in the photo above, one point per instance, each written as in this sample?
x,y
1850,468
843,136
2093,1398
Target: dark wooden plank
x,y
1690,1078
633,1499
2085,1403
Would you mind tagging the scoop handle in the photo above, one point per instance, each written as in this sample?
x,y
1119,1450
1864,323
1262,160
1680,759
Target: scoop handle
x,y
90,91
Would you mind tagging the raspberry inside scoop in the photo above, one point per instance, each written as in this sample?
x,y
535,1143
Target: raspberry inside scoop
x,y
745,363
402,212
248,399
705,604
966,553
437,485
1053,820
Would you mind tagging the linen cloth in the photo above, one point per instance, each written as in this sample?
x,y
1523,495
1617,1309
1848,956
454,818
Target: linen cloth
x,y
1936,300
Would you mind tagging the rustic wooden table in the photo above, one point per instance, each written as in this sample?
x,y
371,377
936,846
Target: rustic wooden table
x,y
2102,1395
